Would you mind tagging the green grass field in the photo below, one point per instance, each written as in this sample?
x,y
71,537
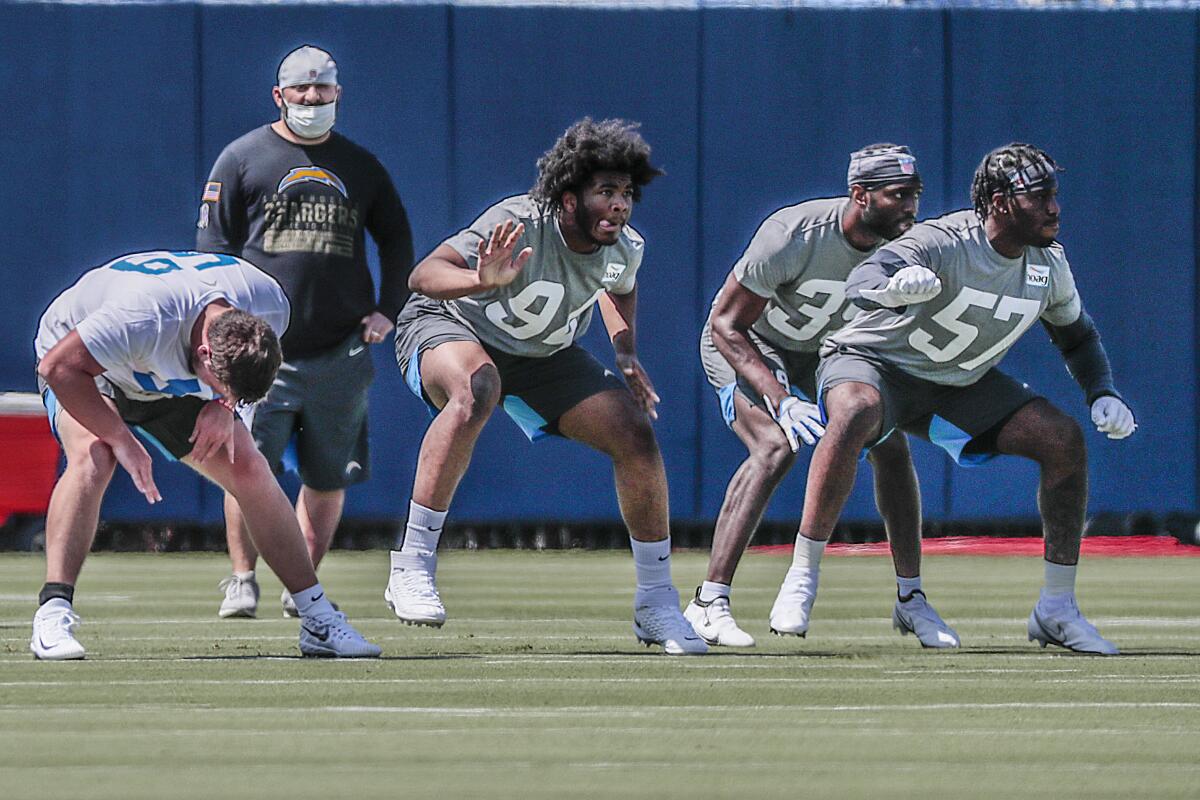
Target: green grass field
x,y
536,688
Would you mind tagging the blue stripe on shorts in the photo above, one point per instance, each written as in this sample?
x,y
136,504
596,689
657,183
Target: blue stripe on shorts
x,y
953,440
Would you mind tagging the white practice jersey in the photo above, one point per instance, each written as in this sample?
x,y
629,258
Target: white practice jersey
x,y
135,316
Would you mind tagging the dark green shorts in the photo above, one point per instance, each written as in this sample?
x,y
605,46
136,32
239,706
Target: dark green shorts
x,y
962,420
319,404
794,370
535,392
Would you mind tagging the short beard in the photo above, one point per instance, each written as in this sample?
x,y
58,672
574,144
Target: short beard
x,y
871,219
585,223
1022,221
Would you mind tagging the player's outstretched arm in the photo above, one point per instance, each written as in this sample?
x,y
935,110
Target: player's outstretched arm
x,y
1080,345
445,275
70,371
619,312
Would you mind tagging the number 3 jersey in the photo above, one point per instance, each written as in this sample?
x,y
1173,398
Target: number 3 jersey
x,y
987,301
798,260
135,316
549,304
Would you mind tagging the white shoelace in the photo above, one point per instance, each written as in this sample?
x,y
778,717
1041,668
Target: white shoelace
x,y
419,583
233,586
61,627
720,614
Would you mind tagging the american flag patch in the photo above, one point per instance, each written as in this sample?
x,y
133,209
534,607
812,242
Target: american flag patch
x,y
212,192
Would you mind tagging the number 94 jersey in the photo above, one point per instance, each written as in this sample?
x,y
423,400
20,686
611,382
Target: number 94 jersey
x,y
549,304
986,303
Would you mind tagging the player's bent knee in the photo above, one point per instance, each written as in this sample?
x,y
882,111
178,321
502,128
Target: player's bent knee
x,y
1065,443
773,457
858,413
92,458
470,404
635,439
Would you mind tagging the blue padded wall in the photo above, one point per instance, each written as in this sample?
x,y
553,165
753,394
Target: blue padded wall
x,y
124,108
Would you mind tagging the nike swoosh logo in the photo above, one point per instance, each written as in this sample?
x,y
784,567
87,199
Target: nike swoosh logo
x,y
663,558
322,636
356,350
315,599
435,530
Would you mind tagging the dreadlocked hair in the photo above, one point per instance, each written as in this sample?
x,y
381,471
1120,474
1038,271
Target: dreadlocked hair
x,y
245,354
588,147
992,174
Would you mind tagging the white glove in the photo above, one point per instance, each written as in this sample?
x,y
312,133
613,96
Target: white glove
x,y
1112,417
799,420
909,285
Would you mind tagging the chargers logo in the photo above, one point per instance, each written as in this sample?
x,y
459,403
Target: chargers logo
x,y
314,174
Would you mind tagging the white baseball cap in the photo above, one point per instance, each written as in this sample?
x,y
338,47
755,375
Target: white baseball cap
x,y
306,64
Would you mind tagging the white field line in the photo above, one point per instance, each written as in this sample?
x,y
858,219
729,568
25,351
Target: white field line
x,y
575,712
1046,659
871,627
74,682
871,732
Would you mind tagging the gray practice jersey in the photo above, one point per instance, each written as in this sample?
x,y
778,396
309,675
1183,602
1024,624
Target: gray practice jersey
x,y
135,316
987,301
549,304
799,259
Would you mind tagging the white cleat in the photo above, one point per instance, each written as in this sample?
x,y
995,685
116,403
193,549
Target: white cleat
x,y
793,605
916,616
331,636
54,632
289,605
714,623
662,623
241,597
411,593
1066,626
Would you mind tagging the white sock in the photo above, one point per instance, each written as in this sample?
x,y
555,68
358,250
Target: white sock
x,y
652,561
403,560
244,576
711,590
906,586
1060,582
312,602
423,530
807,553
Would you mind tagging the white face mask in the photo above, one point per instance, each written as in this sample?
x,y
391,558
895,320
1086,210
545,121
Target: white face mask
x,y
309,122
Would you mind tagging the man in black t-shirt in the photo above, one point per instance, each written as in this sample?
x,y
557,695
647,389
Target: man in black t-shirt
x,y
294,198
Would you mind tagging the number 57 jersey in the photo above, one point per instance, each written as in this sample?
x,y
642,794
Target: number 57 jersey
x,y
135,316
987,301
549,304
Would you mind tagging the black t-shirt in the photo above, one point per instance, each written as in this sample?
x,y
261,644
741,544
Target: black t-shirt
x,y
298,213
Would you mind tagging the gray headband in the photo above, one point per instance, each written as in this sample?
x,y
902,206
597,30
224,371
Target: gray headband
x,y
1032,176
306,64
879,166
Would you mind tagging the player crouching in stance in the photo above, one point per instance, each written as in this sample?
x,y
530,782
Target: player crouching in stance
x,y
759,351
944,304
168,343
493,320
